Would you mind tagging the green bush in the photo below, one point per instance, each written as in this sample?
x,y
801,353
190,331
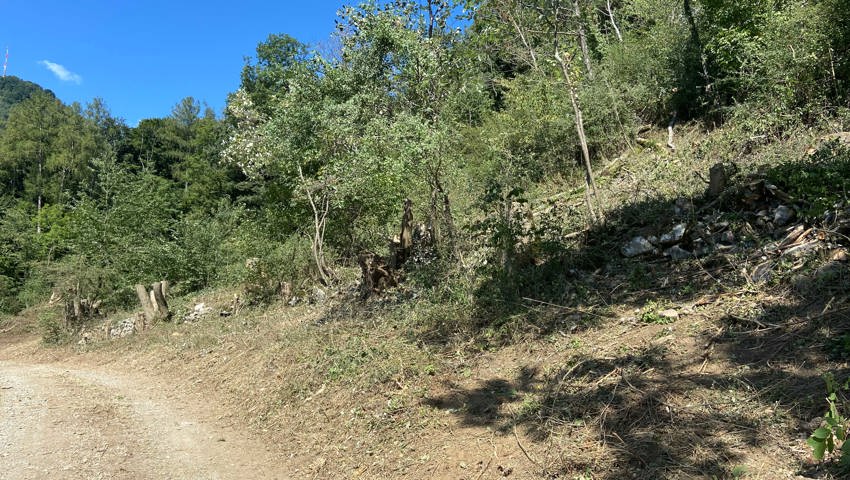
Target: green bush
x,y
290,261
51,328
819,181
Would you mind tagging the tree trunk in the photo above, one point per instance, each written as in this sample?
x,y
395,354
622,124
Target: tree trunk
x,y
670,144
147,306
614,23
579,121
159,298
405,237
524,40
689,14
40,190
153,303
582,39
718,179
320,217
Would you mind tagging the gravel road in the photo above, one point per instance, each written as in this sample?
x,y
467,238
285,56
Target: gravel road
x,y
70,423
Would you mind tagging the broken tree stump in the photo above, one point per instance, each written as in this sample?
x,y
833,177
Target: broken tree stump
x,y
153,302
376,275
161,306
147,305
717,180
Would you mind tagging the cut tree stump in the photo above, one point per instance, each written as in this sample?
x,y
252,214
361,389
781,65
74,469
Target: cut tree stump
x,y
147,305
718,179
153,302
161,305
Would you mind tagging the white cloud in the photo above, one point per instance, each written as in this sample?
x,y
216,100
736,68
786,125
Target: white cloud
x,y
61,72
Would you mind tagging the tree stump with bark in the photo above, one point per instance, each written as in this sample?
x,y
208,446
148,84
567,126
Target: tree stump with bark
x,y
77,309
378,273
154,304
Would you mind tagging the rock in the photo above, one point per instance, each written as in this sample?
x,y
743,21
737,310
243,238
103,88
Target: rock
x,y
830,272
197,312
638,246
660,341
800,250
700,248
677,253
683,206
669,314
674,236
782,215
123,328
318,296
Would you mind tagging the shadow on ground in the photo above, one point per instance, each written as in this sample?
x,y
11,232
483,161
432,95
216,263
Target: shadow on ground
x,y
658,414
750,381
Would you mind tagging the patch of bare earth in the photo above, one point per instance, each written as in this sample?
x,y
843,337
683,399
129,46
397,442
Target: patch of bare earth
x,y
62,421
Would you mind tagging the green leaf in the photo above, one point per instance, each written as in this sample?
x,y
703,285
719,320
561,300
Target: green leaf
x,y
818,447
822,433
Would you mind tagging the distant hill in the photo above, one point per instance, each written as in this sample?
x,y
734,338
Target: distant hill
x,y
13,90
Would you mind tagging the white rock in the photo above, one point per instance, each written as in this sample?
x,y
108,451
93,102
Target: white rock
x,y
638,246
674,236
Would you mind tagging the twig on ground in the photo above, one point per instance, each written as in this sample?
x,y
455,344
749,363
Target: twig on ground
x,y
527,455
828,304
761,325
481,473
572,309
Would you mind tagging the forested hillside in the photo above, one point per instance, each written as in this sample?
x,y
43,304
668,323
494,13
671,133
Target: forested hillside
x,y
13,90
533,139
464,108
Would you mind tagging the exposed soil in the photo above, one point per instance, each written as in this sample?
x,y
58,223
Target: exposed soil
x,y
58,421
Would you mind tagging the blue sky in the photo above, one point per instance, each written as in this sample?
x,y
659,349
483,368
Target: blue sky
x,y
142,57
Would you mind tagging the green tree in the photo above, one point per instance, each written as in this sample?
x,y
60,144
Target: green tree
x,y
277,60
29,140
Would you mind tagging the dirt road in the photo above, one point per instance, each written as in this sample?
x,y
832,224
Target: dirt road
x,y
73,423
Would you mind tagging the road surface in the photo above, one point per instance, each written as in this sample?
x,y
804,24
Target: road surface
x,y
73,423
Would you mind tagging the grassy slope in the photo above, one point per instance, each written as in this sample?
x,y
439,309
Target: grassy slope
x,y
597,387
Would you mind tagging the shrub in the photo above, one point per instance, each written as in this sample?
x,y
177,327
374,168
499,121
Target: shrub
x,y
52,331
820,181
